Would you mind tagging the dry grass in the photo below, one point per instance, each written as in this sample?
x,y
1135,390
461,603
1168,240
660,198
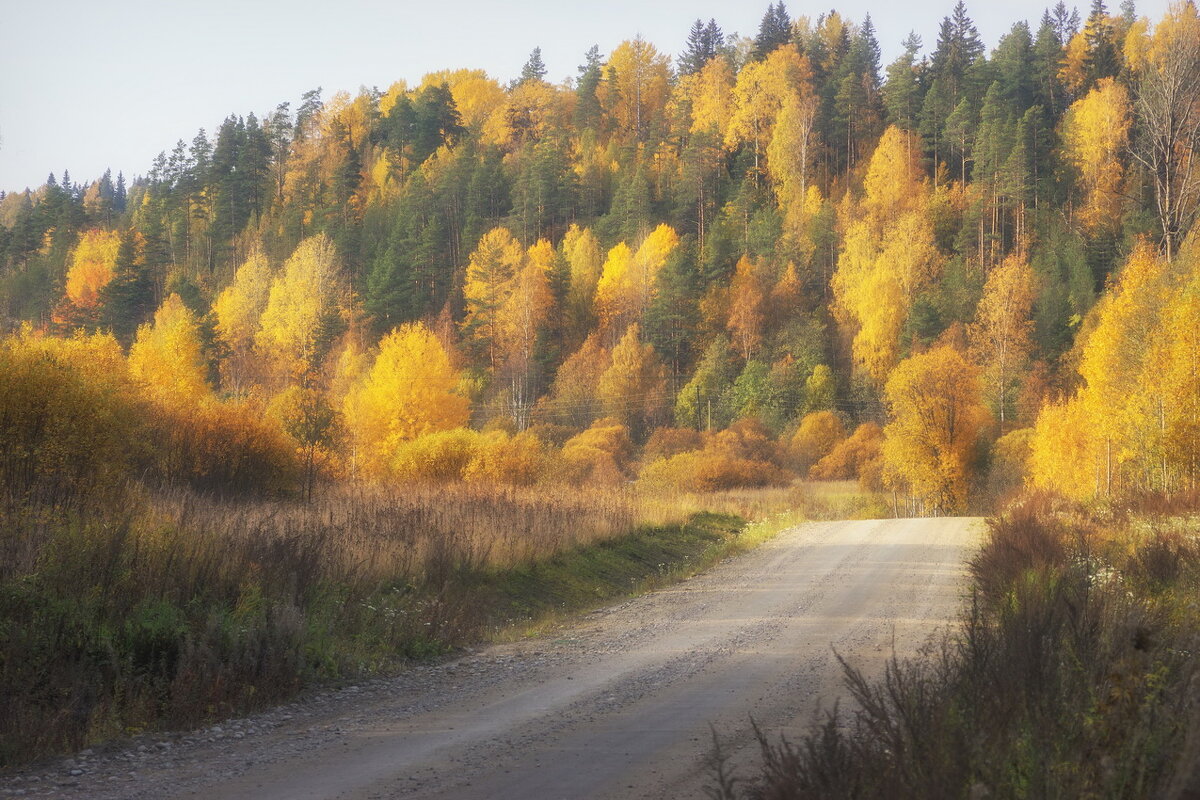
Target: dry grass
x,y
179,607
182,607
809,500
1071,676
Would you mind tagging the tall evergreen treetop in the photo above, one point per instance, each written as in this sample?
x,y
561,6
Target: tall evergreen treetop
x,y
902,91
1065,21
588,111
703,43
534,69
774,30
958,48
1103,56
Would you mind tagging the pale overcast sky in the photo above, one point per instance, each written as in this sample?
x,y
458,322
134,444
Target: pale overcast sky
x,y
90,85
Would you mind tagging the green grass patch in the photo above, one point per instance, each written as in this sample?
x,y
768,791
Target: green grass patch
x,y
585,577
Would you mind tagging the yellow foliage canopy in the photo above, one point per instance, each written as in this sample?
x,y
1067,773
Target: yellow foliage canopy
x,y
634,388
1132,426
937,416
92,263
1095,133
637,83
1001,336
888,254
408,392
746,311
629,280
711,94
167,358
300,300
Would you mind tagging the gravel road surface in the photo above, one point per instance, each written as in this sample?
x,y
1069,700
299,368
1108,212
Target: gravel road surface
x,y
615,705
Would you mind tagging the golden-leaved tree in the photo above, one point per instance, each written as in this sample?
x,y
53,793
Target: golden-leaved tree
x,y
629,279
1119,405
637,83
634,387
238,309
584,262
1179,368
937,415
167,358
1065,455
410,390
1095,134
888,254
301,303
1108,437
746,308
778,86
491,271
92,264
523,313
1002,334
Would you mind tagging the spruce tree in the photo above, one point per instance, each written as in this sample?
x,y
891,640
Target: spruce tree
x,y
703,43
1103,58
588,112
774,30
128,298
902,91
534,70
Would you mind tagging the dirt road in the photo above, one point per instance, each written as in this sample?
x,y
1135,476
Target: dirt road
x,y
618,705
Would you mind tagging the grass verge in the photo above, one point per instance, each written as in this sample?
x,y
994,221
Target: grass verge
x,y
181,609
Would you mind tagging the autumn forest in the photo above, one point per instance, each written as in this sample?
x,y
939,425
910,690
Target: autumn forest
x,y
914,274
951,277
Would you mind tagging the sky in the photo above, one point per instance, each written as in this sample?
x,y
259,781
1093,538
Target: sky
x,y
87,85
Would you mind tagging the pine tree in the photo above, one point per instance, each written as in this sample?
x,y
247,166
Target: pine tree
x,y
958,48
902,91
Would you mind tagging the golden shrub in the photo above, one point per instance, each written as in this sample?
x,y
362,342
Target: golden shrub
x,y
709,471
818,434
233,447
68,419
601,454
521,460
849,456
439,457
667,442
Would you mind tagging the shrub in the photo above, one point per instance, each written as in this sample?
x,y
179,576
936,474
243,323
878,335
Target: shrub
x,y
848,457
749,439
710,470
68,420
667,442
437,457
601,454
521,460
818,434
551,433
232,447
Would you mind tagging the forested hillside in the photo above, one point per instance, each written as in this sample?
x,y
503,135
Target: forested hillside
x,y
757,258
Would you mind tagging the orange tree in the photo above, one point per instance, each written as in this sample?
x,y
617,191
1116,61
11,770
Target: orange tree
x,y
937,410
